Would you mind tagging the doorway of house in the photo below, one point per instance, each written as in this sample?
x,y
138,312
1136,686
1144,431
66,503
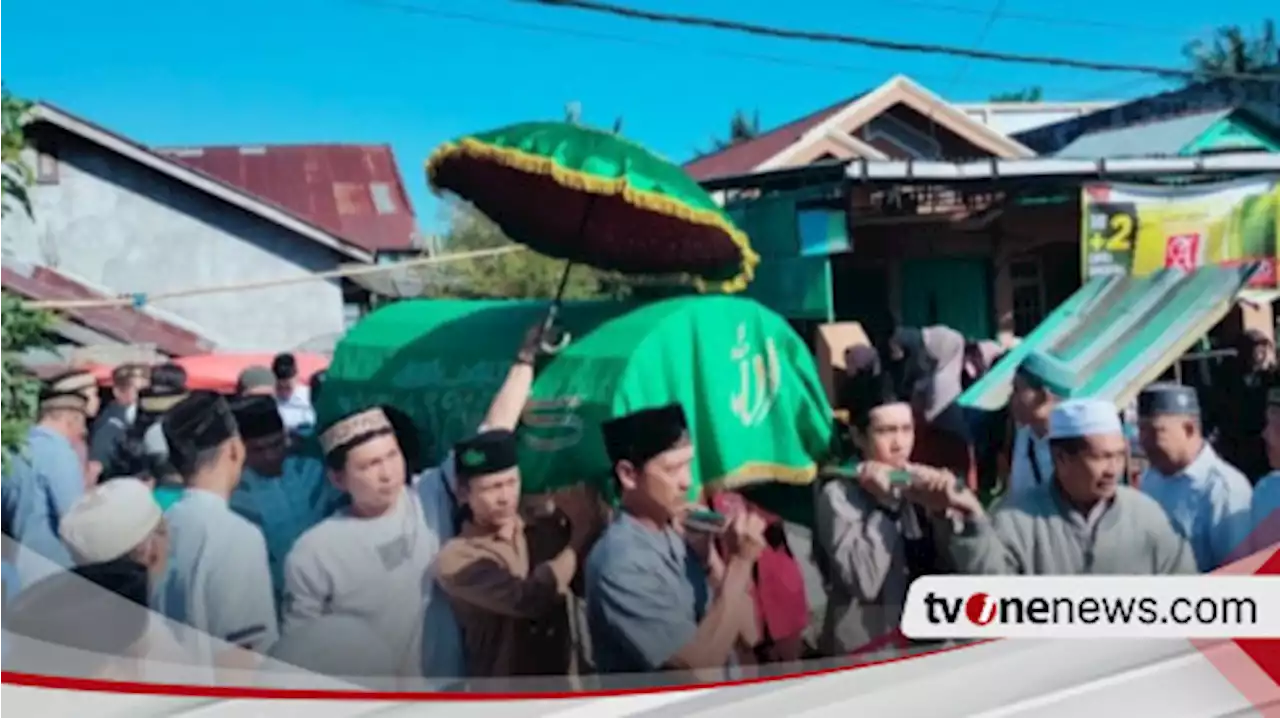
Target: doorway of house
x,y
953,291
860,292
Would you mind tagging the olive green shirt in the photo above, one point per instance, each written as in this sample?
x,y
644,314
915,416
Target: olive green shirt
x,y
1037,532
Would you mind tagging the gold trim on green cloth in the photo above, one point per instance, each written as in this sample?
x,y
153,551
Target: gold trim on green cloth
x,y
760,471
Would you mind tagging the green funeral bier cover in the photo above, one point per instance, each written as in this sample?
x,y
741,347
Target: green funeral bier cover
x,y
748,383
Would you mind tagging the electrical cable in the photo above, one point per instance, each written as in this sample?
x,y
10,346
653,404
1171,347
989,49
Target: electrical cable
x,y
139,299
408,8
883,44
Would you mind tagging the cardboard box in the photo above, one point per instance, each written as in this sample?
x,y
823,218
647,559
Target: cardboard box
x,y
833,342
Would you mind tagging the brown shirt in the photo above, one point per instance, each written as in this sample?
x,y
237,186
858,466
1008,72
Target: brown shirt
x,y
511,608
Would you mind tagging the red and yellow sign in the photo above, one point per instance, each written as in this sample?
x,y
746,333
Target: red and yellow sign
x,y
1140,229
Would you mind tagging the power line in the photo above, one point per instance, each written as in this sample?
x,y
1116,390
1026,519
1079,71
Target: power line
x,y
141,298
1042,19
992,18
880,43
414,9
780,60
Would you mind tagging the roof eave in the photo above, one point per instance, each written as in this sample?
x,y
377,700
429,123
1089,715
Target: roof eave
x,y
196,179
987,170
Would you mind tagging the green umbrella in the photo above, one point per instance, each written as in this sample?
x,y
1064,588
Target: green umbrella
x,y
595,198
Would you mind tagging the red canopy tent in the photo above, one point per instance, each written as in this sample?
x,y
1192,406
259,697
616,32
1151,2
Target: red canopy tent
x,y
212,372
219,372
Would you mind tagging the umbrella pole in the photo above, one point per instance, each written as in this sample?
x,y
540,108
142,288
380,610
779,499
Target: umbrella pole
x,y
564,283
548,325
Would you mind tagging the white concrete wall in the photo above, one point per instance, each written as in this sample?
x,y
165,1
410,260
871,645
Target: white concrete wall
x,y
119,225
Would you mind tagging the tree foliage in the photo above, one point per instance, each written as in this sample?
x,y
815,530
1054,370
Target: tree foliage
x,y
1232,49
743,127
1026,94
23,328
16,174
521,274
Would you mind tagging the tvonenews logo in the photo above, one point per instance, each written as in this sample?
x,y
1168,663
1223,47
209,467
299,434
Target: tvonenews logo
x,y
983,609
1093,606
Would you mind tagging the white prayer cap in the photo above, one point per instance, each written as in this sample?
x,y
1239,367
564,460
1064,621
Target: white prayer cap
x,y
1075,418
110,521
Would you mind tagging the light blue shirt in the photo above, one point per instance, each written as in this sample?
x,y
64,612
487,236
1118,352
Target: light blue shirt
x,y
44,479
284,507
10,588
219,581
1209,505
442,646
1032,462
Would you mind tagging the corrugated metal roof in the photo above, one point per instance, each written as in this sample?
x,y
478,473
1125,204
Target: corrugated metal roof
x,y
744,156
1163,138
353,191
1116,334
1261,95
124,324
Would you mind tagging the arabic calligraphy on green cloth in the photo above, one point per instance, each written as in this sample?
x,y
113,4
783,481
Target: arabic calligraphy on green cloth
x,y
748,383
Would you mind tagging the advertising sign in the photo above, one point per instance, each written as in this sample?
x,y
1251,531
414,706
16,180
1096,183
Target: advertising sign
x,y
1140,229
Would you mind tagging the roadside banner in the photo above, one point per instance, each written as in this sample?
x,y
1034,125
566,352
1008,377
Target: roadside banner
x,y
1139,229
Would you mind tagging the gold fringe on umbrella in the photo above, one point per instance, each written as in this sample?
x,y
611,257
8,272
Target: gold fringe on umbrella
x,y
617,187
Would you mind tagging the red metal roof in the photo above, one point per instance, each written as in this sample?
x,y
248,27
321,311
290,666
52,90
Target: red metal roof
x,y
352,191
124,324
743,157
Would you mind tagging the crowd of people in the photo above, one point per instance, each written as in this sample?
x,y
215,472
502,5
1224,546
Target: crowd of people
x,y
346,561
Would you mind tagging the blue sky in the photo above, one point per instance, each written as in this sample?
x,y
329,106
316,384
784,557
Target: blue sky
x,y
416,72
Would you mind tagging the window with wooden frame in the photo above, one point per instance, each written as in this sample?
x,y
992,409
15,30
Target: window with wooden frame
x,y
1027,287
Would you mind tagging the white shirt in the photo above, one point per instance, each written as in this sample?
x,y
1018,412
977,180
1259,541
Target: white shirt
x,y
1022,472
335,645
296,410
379,571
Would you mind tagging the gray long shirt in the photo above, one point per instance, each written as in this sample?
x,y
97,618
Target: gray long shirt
x,y
867,568
1038,533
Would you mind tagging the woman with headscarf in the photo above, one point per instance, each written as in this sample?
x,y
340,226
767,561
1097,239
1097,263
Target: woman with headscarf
x,y
926,366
